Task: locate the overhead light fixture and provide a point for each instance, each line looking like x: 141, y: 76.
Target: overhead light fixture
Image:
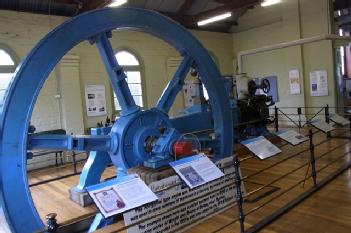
x: 214, y: 19
x: 266, y: 3
x: 116, y: 3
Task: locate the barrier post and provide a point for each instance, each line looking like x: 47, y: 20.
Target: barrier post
x: 312, y: 158
x: 239, y: 195
x: 327, y: 117
x: 299, y: 113
x: 276, y: 124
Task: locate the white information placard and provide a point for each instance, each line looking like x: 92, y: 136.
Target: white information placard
x: 339, y: 119
x: 95, y: 100
x: 322, y: 125
x: 294, y: 81
x: 292, y: 137
x: 261, y: 147
x: 319, y: 83
x: 178, y: 207
x: 117, y: 196
x: 196, y: 170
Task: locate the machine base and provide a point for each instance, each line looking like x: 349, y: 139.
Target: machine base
x: 157, y: 162
x: 80, y: 197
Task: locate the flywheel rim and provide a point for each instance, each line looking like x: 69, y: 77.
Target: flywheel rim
x: 32, y: 72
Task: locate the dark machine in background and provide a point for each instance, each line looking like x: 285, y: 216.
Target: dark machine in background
x: 254, y: 109
x: 249, y: 102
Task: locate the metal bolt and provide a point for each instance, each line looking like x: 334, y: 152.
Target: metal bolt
x: 51, y: 222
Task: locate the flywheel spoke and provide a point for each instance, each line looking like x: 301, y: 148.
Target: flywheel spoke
x: 69, y: 143
x: 116, y: 74
x: 174, y: 85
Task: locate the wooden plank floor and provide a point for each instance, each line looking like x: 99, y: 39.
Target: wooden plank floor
x: 316, y: 214
x: 53, y: 196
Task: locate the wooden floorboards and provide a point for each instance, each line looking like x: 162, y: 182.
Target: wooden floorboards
x: 53, y: 196
x: 328, y: 210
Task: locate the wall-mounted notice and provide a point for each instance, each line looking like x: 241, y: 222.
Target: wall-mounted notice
x: 178, y: 207
x: 319, y: 83
x: 261, y: 147
x: 196, y: 170
x: 292, y: 137
x: 117, y: 196
x: 322, y: 125
x: 294, y: 81
x: 95, y: 100
x: 339, y: 119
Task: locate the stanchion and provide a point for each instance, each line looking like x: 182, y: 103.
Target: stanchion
x: 327, y: 117
x: 276, y: 124
x: 239, y: 196
x: 312, y: 158
x: 299, y: 113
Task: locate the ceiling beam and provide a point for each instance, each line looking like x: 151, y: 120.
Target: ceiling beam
x: 343, y: 19
x: 191, y: 21
x: 234, y: 5
x: 186, y: 20
x: 341, y: 4
x: 94, y: 4
x: 185, y: 6
x: 68, y: 2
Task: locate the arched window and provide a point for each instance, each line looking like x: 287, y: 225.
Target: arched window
x: 7, y: 68
x: 132, y: 68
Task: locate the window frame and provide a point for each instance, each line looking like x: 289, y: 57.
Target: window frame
x: 126, y: 68
x: 14, y: 57
x: 8, y: 69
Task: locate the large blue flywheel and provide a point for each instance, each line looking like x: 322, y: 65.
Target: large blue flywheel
x: 125, y: 141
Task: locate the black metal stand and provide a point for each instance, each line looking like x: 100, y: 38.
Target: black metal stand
x: 327, y: 118
x: 312, y: 158
x: 276, y: 124
x: 239, y: 196
x: 75, y: 171
x: 299, y: 113
x: 51, y: 223
x: 74, y: 162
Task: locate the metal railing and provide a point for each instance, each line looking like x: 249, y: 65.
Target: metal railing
x: 311, y: 172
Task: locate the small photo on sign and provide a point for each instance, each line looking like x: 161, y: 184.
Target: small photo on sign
x: 119, y: 195
x: 314, y: 87
x: 191, y: 175
x: 91, y: 96
x: 196, y: 170
x: 109, y: 200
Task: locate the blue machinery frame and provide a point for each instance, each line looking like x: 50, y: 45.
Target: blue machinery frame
x: 123, y: 139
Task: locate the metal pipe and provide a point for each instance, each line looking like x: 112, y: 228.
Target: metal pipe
x: 287, y: 45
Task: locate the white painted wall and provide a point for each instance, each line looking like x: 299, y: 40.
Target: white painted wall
x: 295, y: 19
